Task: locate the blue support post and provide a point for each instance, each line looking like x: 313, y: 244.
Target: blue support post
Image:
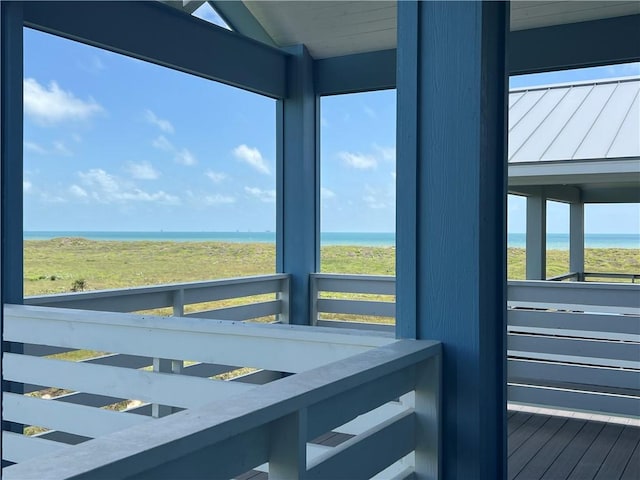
x: 10, y: 172
x: 451, y: 224
x: 297, y: 183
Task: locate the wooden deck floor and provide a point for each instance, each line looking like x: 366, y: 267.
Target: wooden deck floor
x: 544, y: 447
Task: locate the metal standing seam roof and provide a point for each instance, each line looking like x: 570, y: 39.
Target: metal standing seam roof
x: 580, y: 121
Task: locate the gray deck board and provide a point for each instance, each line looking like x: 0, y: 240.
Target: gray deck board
x: 524, y: 432
x: 632, y: 471
x: 616, y: 462
x: 516, y: 421
x: 564, y: 464
x: 538, y: 464
x: 596, y: 454
x: 532, y: 446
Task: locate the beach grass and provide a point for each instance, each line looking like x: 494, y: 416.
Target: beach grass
x: 63, y: 264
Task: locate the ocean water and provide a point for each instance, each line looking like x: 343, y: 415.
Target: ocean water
x: 555, y: 241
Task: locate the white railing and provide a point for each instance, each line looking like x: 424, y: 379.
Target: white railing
x: 570, y: 345
x: 330, y: 311
x: 340, y: 381
x: 179, y: 295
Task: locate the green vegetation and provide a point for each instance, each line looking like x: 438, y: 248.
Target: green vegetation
x: 75, y: 264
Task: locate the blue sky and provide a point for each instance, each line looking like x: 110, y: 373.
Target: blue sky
x: 113, y: 143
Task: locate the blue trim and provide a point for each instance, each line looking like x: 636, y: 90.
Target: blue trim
x: 141, y: 30
x: 298, y: 191
x: 11, y: 77
x: 459, y: 227
x: 574, y: 45
x: 241, y: 20
x: 355, y: 73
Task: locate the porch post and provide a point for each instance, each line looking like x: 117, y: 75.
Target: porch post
x: 451, y: 217
x: 536, y: 242
x: 297, y: 180
x: 576, y: 239
x: 10, y: 171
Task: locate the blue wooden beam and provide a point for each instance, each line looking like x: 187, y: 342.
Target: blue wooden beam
x: 575, y: 45
x: 584, y: 44
x: 451, y: 204
x: 11, y: 78
x: 241, y: 20
x: 355, y: 73
x: 298, y: 214
x: 163, y: 35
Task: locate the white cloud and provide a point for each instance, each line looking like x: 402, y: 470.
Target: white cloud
x: 386, y: 153
x: 218, y: 199
x: 162, y: 124
x: 161, y: 143
x: 374, y: 202
x: 371, y: 113
x: 358, y: 160
x: 252, y: 157
x: 326, y: 194
x: 61, y: 149
x: 58, y: 148
x: 215, y: 177
x: 77, y: 191
x: 267, y: 196
x: 142, y: 171
x: 52, y: 105
x: 34, y: 148
x: 48, y: 198
x: 107, y: 188
x: 27, y: 186
x: 185, y: 157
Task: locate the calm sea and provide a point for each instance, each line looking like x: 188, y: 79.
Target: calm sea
x: 555, y: 241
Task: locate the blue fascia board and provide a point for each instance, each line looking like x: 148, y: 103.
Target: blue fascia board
x: 585, y: 44
x: 161, y: 34
x: 355, y: 73
x: 575, y: 45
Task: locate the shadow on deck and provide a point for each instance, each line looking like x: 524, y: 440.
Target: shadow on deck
x: 553, y: 448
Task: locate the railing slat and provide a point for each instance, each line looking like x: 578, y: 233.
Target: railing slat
x: 596, y: 349
x: 18, y: 448
x: 575, y: 321
x: 521, y: 371
x: 357, y: 307
x: 164, y: 388
x: 371, y: 284
x: 200, y: 340
x: 241, y: 312
x: 67, y: 417
x: 391, y: 440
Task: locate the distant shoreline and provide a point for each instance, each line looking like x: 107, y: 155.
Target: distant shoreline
x: 555, y: 241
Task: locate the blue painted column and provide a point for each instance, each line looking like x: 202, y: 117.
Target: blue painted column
x: 297, y: 184
x: 10, y: 170
x: 451, y: 216
x: 536, y: 242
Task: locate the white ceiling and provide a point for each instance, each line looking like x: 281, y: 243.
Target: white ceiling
x: 335, y: 28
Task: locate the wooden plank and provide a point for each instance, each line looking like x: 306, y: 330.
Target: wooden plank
x: 533, y: 445
x: 207, y: 341
x: 549, y: 357
x: 357, y: 307
x: 516, y: 421
x: 539, y: 462
x: 616, y: 462
x: 241, y: 312
x: 376, y: 327
x: 591, y: 461
x: 163, y: 388
x: 79, y: 419
x: 522, y: 434
x: 352, y: 459
x: 632, y: 471
x: 571, y: 376
x: 373, y: 284
x: 617, y: 297
x: 18, y: 448
x: 596, y: 349
x: 573, y: 452
x: 594, y: 402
